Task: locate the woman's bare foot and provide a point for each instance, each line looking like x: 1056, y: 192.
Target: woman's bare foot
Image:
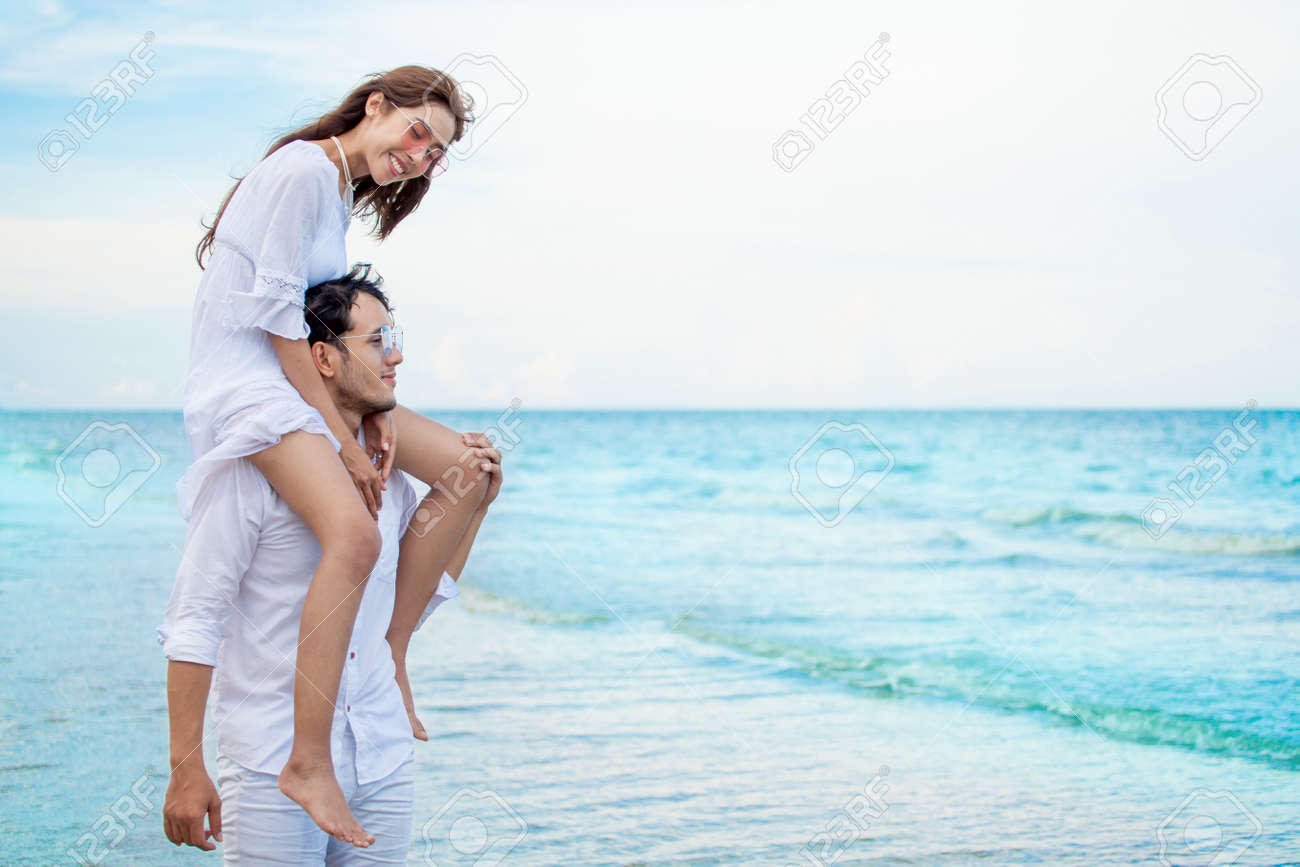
x: 315, y: 789
x: 404, y: 685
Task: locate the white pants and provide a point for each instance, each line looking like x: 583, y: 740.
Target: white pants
x: 262, y: 826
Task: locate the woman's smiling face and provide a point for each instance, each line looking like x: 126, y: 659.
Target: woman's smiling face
x: 388, y: 158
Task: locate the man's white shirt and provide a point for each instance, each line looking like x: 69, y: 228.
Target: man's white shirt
x: 237, y: 603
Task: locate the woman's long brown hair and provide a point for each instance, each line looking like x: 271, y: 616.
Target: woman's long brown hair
x: 407, y: 86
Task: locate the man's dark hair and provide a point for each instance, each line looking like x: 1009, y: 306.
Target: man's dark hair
x: 329, y: 304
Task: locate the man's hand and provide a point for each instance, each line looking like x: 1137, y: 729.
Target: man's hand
x: 364, y: 476
x: 190, y: 797
x: 381, y: 440
x: 489, y: 461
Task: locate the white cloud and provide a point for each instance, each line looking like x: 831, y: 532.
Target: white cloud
x: 546, y: 380
x: 448, y: 363
x: 127, y: 389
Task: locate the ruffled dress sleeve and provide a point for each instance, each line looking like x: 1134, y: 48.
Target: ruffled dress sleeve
x: 278, y: 226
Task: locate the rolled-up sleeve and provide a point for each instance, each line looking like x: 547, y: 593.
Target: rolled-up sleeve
x: 447, y: 589
x: 219, y: 546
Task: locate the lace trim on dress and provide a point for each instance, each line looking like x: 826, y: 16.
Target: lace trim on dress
x: 275, y: 304
x: 286, y: 287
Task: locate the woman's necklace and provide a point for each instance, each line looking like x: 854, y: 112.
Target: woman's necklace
x: 347, y: 173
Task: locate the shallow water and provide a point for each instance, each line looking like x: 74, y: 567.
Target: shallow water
x: 664, y: 654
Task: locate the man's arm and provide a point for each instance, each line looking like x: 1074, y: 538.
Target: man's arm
x: 191, y: 796
x: 223, y: 534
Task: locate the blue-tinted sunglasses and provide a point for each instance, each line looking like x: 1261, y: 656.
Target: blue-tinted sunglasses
x: 390, y: 336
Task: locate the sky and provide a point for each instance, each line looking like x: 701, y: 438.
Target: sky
x: 999, y: 217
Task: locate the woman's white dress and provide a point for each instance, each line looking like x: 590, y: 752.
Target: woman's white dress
x: 283, y: 231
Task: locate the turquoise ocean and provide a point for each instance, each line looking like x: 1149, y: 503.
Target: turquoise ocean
x: 751, y: 637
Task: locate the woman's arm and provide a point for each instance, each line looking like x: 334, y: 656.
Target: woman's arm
x: 300, y: 370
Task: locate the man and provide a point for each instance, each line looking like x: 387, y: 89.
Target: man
x: 236, y: 607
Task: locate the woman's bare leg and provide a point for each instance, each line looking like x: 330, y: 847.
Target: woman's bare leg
x: 305, y: 470
x: 434, y: 454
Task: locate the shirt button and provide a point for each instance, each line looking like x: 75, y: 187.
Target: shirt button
x: 353, y: 655
x: 349, y: 707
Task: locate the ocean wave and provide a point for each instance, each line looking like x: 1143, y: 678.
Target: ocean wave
x: 958, y: 676
x: 1015, y: 560
x: 965, y: 678
x: 1018, y: 559
x: 1126, y: 531
x: 484, y: 602
x: 1269, y: 475
x: 909, y: 468
x: 948, y: 539
x: 1178, y: 541
x: 1051, y: 515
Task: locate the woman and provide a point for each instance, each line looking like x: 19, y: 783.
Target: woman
x: 253, y: 392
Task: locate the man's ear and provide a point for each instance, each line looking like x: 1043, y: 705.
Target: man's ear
x: 325, y: 357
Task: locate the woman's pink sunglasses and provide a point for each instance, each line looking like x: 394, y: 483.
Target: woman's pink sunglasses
x: 419, y: 142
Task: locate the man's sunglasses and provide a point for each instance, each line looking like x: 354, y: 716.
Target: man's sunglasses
x: 390, y: 337
x: 418, y: 141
